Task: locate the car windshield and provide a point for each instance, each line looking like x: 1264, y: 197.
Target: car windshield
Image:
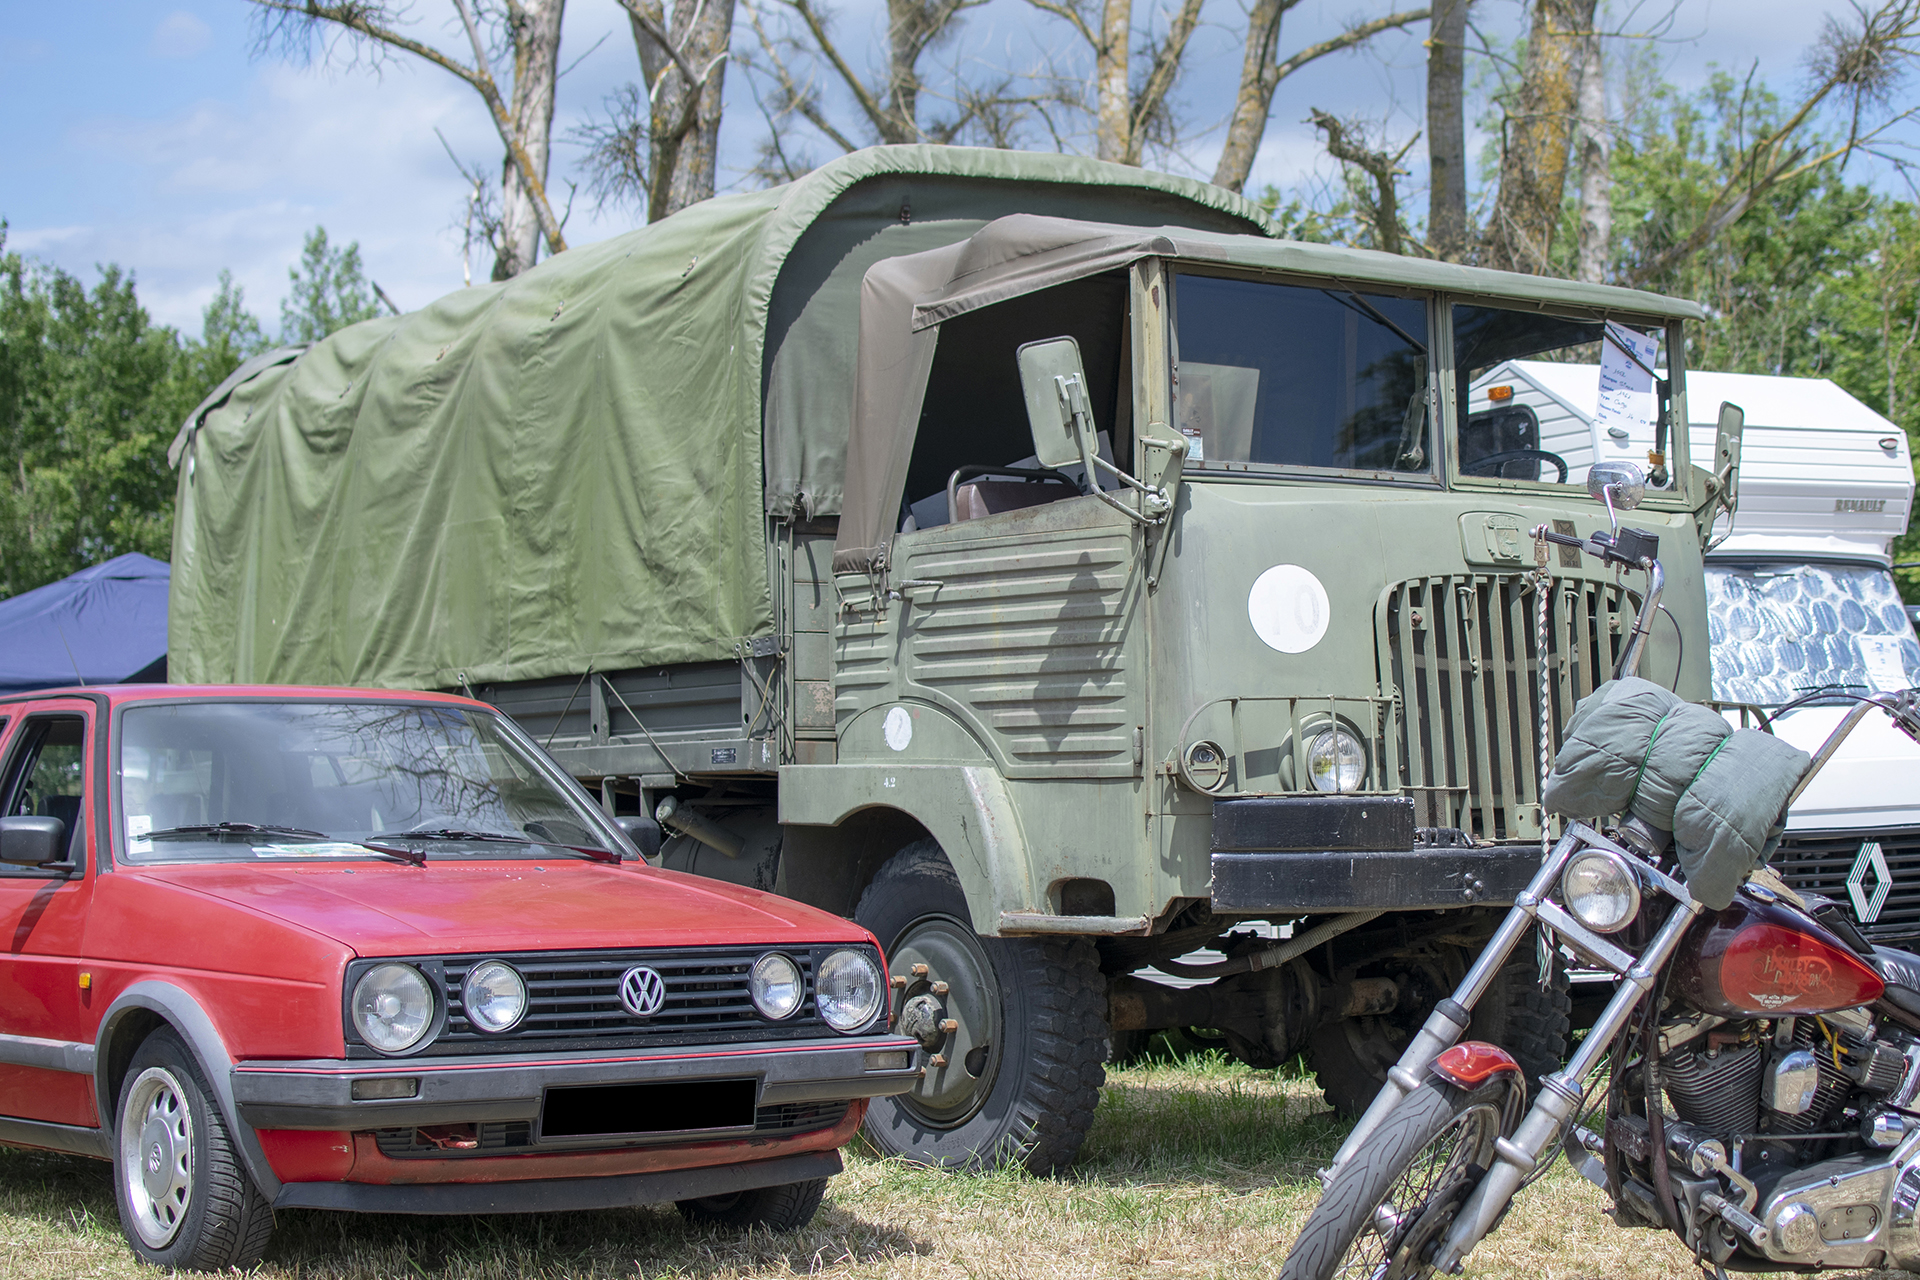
x: 303, y: 781
x: 1784, y: 631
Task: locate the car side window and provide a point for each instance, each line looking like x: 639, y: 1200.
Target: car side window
x: 48, y: 776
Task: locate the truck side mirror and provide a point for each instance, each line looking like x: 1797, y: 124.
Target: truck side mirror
x: 1055, y: 384
x: 29, y: 841
x: 1726, y: 453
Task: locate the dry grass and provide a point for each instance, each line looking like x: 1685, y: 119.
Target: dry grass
x: 1196, y: 1169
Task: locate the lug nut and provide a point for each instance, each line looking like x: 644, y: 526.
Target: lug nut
x: 949, y: 1025
x: 937, y: 1060
x: 919, y: 971
x: 938, y: 988
x: 896, y: 982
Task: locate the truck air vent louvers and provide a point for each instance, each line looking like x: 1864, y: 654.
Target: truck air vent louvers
x: 1459, y: 651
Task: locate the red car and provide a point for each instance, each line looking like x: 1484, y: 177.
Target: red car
x: 340, y: 949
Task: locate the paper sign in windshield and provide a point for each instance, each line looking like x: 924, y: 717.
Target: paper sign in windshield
x: 138, y: 825
x: 1885, y: 659
x: 1626, y: 389
x: 311, y: 849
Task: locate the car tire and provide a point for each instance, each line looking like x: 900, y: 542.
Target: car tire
x: 186, y: 1201
x: 787, y: 1207
x: 1032, y: 1032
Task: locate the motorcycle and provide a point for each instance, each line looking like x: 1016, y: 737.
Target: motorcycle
x: 1753, y: 1086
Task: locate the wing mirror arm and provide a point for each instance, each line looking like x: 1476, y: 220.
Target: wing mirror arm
x: 1054, y: 383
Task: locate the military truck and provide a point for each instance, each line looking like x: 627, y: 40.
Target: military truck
x: 1033, y: 558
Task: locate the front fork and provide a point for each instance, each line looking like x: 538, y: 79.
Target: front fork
x: 1561, y: 1093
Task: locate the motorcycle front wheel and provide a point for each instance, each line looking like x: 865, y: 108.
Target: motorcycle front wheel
x: 1386, y: 1212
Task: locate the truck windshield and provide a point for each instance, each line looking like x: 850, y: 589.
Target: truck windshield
x: 1521, y: 420
x: 307, y: 781
x: 1784, y: 631
x: 1301, y: 376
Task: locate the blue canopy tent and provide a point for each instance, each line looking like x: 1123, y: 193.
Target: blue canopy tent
x: 104, y: 625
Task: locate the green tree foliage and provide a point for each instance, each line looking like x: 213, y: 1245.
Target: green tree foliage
x: 326, y: 292
x: 91, y: 392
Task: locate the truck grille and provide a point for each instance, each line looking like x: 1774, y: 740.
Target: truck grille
x: 515, y: 1137
x: 1823, y: 861
x: 573, y: 1001
x: 1457, y: 653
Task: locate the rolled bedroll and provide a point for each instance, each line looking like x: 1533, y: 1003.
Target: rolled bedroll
x: 576, y: 469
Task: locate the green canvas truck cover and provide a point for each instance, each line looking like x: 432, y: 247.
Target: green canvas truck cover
x: 572, y: 470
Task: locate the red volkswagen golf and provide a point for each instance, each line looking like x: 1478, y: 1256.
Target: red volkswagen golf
x: 337, y: 949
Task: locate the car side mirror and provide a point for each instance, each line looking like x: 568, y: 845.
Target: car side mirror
x: 643, y: 831
x: 29, y: 841
x: 1055, y: 384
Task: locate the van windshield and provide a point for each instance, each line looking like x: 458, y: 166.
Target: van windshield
x: 1784, y: 631
x: 306, y: 781
x: 1302, y: 376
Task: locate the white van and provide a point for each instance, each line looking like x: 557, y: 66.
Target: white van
x: 1803, y: 612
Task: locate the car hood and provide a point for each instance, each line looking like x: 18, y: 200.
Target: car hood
x: 447, y: 907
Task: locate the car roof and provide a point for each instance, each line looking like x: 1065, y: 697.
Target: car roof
x: 121, y: 694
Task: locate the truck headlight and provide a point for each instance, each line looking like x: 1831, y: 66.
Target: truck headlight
x: 392, y: 1007
x: 1204, y: 766
x: 1600, y: 890
x: 846, y: 990
x: 494, y: 996
x: 776, y: 986
x: 1336, y: 761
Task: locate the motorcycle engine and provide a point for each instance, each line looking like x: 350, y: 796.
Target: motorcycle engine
x: 1716, y: 1082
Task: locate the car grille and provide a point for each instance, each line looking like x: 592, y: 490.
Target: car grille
x: 515, y: 1137
x: 573, y: 1001
x: 1458, y: 655
x: 1822, y: 862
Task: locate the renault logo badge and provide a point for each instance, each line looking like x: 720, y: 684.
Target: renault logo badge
x: 1867, y: 903
x: 642, y: 991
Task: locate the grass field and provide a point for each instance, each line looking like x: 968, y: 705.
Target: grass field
x: 1200, y: 1168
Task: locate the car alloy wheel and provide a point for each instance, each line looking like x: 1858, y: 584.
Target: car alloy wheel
x: 156, y: 1156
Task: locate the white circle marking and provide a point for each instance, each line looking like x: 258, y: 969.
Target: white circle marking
x: 899, y: 728
x: 1288, y: 608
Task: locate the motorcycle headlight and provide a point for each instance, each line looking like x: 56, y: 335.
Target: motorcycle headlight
x: 847, y: 990
x: 1600, y: 890
x: 1336, y: 761
x: 776, y: 986
x: 494, y: 996
x: 392, y: 1007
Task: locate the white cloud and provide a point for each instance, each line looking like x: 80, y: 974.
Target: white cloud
x: 180, y: 35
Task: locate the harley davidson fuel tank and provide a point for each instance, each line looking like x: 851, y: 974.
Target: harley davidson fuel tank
x: 1764, y: 957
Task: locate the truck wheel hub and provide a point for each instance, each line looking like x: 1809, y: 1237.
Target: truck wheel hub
x: 952, y: 1007
x: 921, y: 1019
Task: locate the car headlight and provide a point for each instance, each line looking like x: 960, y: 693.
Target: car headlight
x: 776, y: 986
x: 494, y: 996
x: 1600, y: 890
x: 392, y: 1007
x: 1336, y: 761
x: 847, y: 990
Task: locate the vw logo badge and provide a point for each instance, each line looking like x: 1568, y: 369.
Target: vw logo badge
x: 642, y: 991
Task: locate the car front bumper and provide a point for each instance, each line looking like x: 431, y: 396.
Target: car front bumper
x: 318, y: 1094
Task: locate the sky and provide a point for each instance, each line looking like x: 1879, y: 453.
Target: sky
x: 156, y: 137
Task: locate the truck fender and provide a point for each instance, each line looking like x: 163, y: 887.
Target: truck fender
x: 181, y: 1011
x: 964, y: 807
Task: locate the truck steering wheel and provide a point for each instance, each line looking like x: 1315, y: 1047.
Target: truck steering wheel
x: 1515, y: 455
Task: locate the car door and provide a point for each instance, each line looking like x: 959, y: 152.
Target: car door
x: 48, y: 772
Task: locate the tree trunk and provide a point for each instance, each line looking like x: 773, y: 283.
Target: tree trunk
x: 1113, y: 102
x: 1538, y: 128
x: 1596, y: 169
x: 683, y: 124
x: 534, y: 28
x: 1447, y: 131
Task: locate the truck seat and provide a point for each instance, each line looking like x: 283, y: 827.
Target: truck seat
x: 987, y: 497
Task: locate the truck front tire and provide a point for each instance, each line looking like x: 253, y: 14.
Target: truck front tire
x: 1013, y: 1030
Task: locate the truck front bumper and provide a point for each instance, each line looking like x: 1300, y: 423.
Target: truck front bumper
x: 321, y: 1094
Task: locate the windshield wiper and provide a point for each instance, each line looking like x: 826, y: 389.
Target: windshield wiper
x: 415, y: 857
x: 449, y: 833
x: 222, y: 829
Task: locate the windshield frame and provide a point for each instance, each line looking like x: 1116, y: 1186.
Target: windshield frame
x: 115, y: 846
x: 1244, y: 472
x: 1679, y: 497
